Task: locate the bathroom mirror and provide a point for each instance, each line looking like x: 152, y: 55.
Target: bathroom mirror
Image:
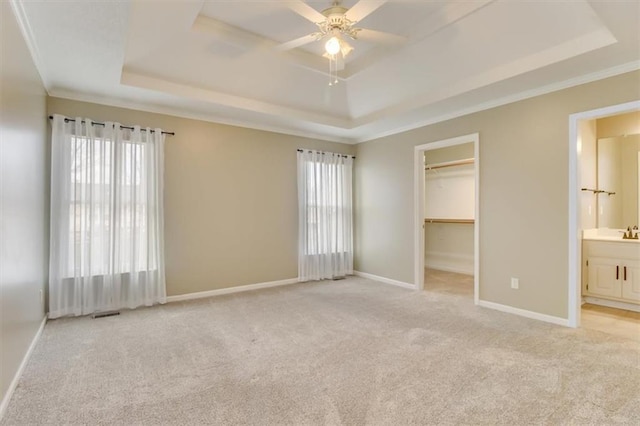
x: 618, y: 172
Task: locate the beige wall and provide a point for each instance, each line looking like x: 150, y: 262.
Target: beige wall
x: 618, y: 125
x: 523, y: 194
x: 450, y: 153
x: 230, y: 198
x: 24, y: 188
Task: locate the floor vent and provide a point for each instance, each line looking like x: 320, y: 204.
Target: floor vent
x: 105, y: 314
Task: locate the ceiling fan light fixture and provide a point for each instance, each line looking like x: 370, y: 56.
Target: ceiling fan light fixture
x: 345, y: 48
x: 335, y: 24
x: 333, y: 46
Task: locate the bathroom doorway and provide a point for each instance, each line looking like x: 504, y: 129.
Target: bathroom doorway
x: 603, y: 272
x: 446, y: 184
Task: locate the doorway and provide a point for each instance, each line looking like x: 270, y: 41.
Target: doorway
x: 577, y: 217
x: 420, y: 206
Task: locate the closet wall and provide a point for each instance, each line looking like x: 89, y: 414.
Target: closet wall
x: 449, y: 246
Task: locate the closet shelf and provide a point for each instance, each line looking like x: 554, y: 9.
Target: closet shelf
x: 449, y: 164
x: 434, y: 220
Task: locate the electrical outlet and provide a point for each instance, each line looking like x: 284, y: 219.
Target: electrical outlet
x: 515, y: 283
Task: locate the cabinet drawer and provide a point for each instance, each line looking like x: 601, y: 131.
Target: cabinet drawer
x: 613, y: 249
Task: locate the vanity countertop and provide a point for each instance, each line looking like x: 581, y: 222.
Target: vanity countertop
x: 606, y: 234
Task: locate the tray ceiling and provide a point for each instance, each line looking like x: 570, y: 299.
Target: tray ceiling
x: 216, y: 60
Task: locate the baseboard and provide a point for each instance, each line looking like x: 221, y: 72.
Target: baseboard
x: 385, y: 280
x: 16, y: 378
x: 524, y: 313
x: 230, y: 290
x: 611, y: 303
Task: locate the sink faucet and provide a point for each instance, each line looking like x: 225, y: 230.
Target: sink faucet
x: 630, y: 234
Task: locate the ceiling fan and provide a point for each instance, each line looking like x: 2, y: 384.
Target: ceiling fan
x: 337, y: 22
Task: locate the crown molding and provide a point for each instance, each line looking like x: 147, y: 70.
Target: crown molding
x: 17, y: 7
x: 201, y: 116
x: 520, y: 66
x: 134, y: 79
x: 527, y: 94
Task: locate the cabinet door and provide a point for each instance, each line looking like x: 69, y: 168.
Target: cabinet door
x: 605, y: 277
x: 631, y: 286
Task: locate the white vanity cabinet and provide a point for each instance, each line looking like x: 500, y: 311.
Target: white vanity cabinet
x: 631, y: 285
x: 611, y: 270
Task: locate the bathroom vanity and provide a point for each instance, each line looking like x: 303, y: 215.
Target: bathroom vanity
x: 610, y: 269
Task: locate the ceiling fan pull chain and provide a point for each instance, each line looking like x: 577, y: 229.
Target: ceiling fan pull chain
x: 333, y: 69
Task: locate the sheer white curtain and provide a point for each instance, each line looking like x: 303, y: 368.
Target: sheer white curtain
x: 325, y: 230
x: 107, y: 238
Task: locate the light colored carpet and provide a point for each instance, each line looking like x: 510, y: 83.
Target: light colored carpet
x: 346, y: 352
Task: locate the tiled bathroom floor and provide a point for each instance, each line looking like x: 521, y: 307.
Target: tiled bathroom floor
x: 618, y: 322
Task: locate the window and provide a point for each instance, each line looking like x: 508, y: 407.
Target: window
x: 325, y: 215
x: 107, y: 203
x: 106, y: 217
x: 325, y: 207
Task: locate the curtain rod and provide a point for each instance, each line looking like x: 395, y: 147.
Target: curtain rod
x: 320, y: 152
x: 66, y: 120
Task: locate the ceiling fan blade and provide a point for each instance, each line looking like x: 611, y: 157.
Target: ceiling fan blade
x: 379, y: 37
x: 296, y: 43
x: 363, y: 8
x: 306, y: 11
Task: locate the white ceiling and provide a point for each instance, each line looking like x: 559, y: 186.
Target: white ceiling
x: 215, y: 60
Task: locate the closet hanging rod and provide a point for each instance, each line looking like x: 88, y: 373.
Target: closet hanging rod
x: 449, y: 164
x: 67, y: 120
x: 433, y: 220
